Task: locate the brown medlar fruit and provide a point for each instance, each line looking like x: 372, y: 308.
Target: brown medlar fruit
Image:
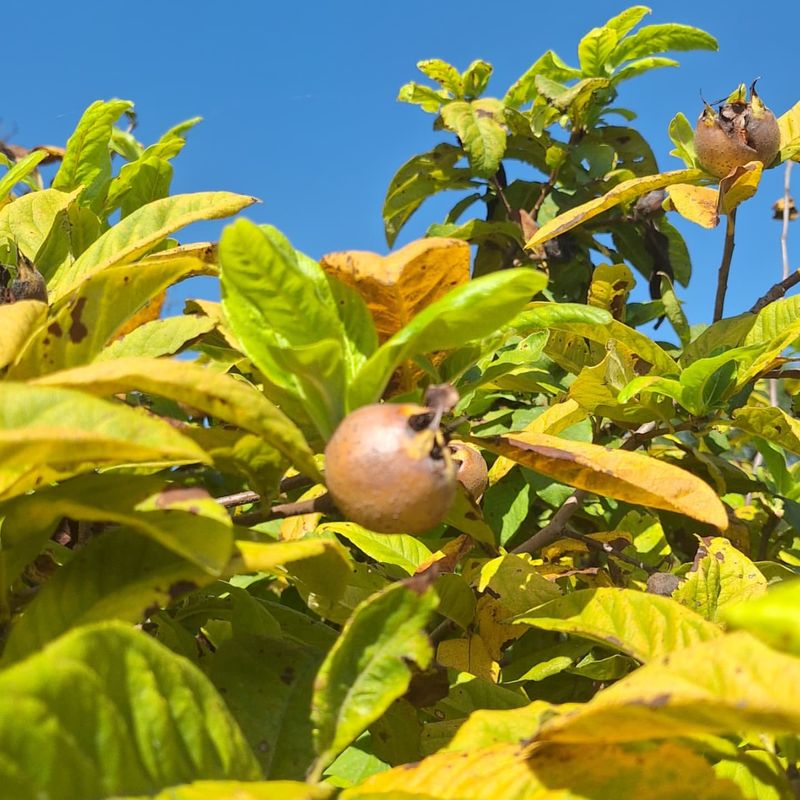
x: 388, y: 468
x: 739, y: 132
x: 472, y: 470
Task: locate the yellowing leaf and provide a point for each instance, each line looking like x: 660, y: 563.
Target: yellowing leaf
x: 468, y: 655
x: 553, y: 420
x: 730, y: 684
x: 631, y: 477
x: 18, y: 321
x: 771, y: 423
x: 398, y: 286
x: 739, y: 186
x: 696, y: 203
x: 221, y: 396
x: 721, y: 575
x: 642, y: 625
x: 610, y: 287
x: 241, y: 790
x: 130, y: 239
x: 622, y: 193
x: 588, y: 772
x: 789, y: 125
x: 48, y: 433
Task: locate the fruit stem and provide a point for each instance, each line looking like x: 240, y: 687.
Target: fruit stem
x: 725, y: 265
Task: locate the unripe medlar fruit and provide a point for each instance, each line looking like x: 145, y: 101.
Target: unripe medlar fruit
x: 472, y: 470
x: 738, y: 133
x: 388, y: 468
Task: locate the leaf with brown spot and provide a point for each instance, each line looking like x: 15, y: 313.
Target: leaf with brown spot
x: 622, y: 193
x: 696, y: 203
x: 631, y: 477
x: 740, y: 185
x: 398, y: 286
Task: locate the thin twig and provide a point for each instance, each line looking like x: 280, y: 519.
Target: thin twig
x: 725, y: 265
x: 606, y: 548
x: 315, y: 505
x: 787, y: 202
x: 776, y: 292
x: 782, y: 373
x: 245, y: 498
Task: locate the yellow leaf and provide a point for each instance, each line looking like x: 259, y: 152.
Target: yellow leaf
x: 789, y: 125
x: 468, y: 655
x: 610, y: 287
x: 622, y: 193
x: 731, y: 684
x: 631, y: 477
x: 739, y: 186
x: 588, y: 772
x: 18, y: 321
x: 553, y: 420
x: 398, y: 286
x: 696, y: 203
x: 298, y: 527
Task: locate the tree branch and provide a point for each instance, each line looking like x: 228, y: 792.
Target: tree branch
x: 725, y: 266
x: 776, y: 292
x: 245, y: 498
x: 315, y: 505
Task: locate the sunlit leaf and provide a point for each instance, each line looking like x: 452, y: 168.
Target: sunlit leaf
x: 627, y: 476
x: 366, y: 670
x: 662, y: 38
x: 696, y: 203
x: 105, y: 689
x: 478, y: 125
x: 641, y: 625
x: 18, y: 321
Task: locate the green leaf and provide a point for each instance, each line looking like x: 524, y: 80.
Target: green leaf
x: 479, y: 126
x: 622, y: 193
x: 105, y: 710
x: 478, y: 231
x: 653, y: 39
x: 87, y: 159
x: 187, y: 522
x: 594, y: 51
x: 138, y: 233
x: 730, y: 684
x: 360, y: 336
x: 419, y: 178
x: 523, y: 90
x: 644, y: 626
x: 19, y: 171
x: 770, y: 423
x: 541, y: 316
x: 682, y: 134
x: 406, y: 552
x: 774, y: 320
x: 628, y: 19
x: 282, y: 310
x: 267, y: 685
x: 721, y: 575
x: 642, y: 65
x: 428, y: 99
x: 468, y: 312
x: 758, y: 774
x: 722, y: 335
x: 476, y: 78
x: 78, y: 330
x: 218, y: 395
x: 366, y: 671
x: 49, y: 433
x: 772, y: 617
x: 120, y: 575
x: 159, y: 337
x: 30, y: 218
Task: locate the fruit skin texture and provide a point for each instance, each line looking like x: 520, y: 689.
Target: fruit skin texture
x: 472, y: 470
x: 739, y: 133
x: 385, y: 475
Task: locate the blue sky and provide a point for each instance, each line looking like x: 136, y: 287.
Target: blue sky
x: 299, y: 102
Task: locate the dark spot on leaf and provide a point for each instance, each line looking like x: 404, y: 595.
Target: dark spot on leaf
x: 719, y: 556
x: 78, y: 331
x: 54, y: 328
x: 150, y: 610
x: 46, y: 341
x: 287, y: 676
x: 180, y: 588
x: 472, y: 515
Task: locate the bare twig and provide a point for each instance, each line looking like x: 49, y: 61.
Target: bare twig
x: 787, y: 202
x: 782, y: 373
x: 776, y: 292
x: 725, y: 265
x: 608, y: 549
x: 315, y: 505
x: 245, y: 498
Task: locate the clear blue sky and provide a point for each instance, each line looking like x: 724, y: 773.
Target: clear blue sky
x: 300, y: 110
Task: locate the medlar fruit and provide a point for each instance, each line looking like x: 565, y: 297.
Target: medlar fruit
x: 388, y: 468
x: 739, y: 132
x: 472, y: 470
